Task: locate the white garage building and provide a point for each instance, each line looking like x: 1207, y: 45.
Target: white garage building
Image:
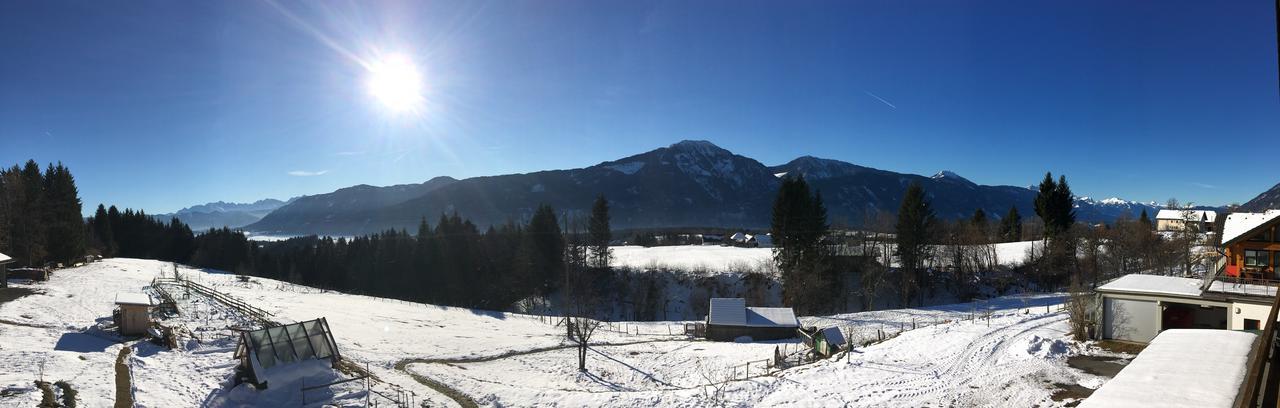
x: 1138, y: 307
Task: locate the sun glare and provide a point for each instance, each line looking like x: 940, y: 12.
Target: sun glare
x: 396, y: 83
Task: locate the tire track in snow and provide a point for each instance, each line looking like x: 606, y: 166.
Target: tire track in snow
x: 948, y: 377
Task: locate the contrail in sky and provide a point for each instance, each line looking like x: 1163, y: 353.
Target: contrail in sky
x: 880, y: 99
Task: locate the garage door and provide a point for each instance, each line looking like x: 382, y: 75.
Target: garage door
x: 1132, y: 320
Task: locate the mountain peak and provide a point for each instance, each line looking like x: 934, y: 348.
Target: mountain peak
x: 699, y: 146
x: 950, y: 175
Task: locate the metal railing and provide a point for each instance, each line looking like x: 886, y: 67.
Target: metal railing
x: 1261, y: 380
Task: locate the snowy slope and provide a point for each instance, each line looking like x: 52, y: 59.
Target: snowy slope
x: 519, y: 360
x: 962, y: 363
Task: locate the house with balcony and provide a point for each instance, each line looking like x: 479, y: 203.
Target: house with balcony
x: 1237, y: 296
x: 1251, y: 246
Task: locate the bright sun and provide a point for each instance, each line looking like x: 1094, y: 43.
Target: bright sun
x: 395, y: 82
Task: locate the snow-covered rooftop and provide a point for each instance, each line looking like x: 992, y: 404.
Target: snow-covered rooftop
x: 1154, y: 284
x: 1189, y: 215
x: 734, y: 312
x: 5, y: 259
x: 771, y: 316
x: 1181, y: 368
x: 728, y: 311
x: 133, y: 299
x: 1239, y: 224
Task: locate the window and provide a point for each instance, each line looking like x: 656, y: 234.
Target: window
x: 1256, y: 259
x: 1251, y: 324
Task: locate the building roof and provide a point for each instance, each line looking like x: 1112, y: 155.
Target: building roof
x: 833, y: 335
x: 1189, y: 215
x: 4, y: 259
x: 728, y: 312
x: 133, y: 299
x: 1241, y: 225
x: 1153, y: 284
x: 734, y: 312
x: 771, y: 317
x: 1181, y: 368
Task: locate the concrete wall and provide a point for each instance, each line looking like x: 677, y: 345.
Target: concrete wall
x: 1247, y: 311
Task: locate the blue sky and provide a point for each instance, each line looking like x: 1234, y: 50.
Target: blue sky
x: 161, y: 105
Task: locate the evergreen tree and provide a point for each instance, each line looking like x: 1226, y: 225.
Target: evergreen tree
x: 545, y: 248
x: 598, y: 234
x: 1011, y: 225
x: 799, y: 225
x: 980, y: 222
x: 28, y: 235
x: 100, y: 226
x: 64, y: 227
x: 914, y: 231
x: 1145, y: 219
x: 1055, y: 206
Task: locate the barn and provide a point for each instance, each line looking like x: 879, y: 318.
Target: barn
x: 730, y: 319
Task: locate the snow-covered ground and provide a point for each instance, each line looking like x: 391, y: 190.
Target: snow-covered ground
x: 714, y: 258
x: 519, y: 360
x: 1009, y: 360
x: 711, y: 258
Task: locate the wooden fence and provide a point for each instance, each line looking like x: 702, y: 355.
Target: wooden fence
x: 244, y: 308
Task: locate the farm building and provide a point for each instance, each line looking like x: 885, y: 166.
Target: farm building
x: 279, y: 354
x: 1179, y: 220
x: 133, y: 313
x: 4, y: 275
x: 730, y: 319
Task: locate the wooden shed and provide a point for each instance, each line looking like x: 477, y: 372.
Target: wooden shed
x: 730, y: 319
x: 133, y: 313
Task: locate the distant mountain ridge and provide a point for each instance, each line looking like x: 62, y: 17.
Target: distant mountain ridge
x: 687, y: 184
x: 1268, y: 200
x: 223, y: 214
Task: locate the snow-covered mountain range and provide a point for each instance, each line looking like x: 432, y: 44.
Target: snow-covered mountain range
x: 223, y: 214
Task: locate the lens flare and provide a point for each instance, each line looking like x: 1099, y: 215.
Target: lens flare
x: 396, y: 82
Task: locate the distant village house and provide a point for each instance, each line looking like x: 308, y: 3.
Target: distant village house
x: 1181, y: 220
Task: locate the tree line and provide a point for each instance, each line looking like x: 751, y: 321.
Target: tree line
x: 40, y: 215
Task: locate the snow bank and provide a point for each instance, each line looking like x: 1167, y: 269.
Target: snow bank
x: 1181, y: 368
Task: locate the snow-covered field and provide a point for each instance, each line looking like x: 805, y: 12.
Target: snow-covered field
x: 714, y: 258
x: 504, y: 359
x: 1010, y: 360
